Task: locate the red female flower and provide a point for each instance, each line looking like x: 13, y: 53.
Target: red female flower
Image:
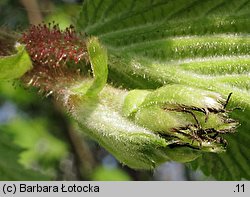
x: 57, y: 56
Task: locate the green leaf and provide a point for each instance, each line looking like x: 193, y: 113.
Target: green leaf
x: 202, y: 44
x: 14, y: 66
x: 99, y: 64
x: 98, y: 58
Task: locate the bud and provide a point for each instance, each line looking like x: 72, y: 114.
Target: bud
x: 191, y: 117
x: 141, y: 128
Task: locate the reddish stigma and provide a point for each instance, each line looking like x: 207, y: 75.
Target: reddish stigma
x: 57, y: 56
x: 51, y: 46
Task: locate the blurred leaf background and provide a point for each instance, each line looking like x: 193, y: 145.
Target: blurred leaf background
x: 38, y: 140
